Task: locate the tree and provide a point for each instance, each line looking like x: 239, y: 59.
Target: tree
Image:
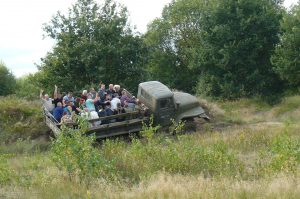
x: 286, y: 59
x: 224, y: 46
x: 173, y: 42
x: 94, y: 43
x: 7, y: 81
x: 238, y: 39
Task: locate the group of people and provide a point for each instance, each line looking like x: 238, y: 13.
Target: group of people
x: 91, y: 104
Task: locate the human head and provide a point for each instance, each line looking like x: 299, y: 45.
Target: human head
x: 89, y: 96
x: 111, y: 86
x: 117, y: 88
x: 58, y: 95
x: 124, y: 93
x: 59, y: 104
x: 84, y: 92
x: 70, y: 94
x: 46, y: 96
x: 103, y: 86
x: 92, y: 90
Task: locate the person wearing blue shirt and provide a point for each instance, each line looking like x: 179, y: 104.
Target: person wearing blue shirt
x: 58, y: 112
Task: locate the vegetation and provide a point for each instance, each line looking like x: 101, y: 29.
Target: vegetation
x: 7, y: 80
x: 20, y: 119
x: 94, y: 42
x: 255, y: 157
x: 221, y: 49
x: 219, y: 45
x: 287, y: 54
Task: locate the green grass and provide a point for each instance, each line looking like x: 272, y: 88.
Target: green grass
x: 258, y: 157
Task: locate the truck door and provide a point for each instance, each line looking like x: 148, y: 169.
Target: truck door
x: 166, y: 110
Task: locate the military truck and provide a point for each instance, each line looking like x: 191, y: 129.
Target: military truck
x: 154, y: 98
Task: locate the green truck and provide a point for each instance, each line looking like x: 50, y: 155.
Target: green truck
x: 154, y: 99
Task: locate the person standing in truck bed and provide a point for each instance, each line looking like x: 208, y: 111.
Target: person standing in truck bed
x: 47, y: 101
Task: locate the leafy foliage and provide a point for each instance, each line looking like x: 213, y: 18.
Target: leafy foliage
x: 94, y: 43
x: 224, y: 46
x: 74, y: 152
x: 7, y: 80
x: 286, y: 59
x: 20, y: 118
x: 28, y: 87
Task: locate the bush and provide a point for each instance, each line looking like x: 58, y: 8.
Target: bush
x: 20, y: 119
x: 74, y: 152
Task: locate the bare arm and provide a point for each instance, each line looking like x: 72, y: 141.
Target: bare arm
x: 41, y: 94
x: 55, y: 92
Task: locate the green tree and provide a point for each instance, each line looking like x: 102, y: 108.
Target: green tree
x: 238, y: 39
x: 286, y: 59
x: 29, y: 86
x: 7, y: 80
x: 94, y: 43
x: 225, y: 46
x: 173, y: 41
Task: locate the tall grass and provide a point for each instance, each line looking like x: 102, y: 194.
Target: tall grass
x: 254, y: 158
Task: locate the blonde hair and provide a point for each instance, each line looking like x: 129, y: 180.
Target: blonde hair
x: 117, y: 87
x: 84, y: 92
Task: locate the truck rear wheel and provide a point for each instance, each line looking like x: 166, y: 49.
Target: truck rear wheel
x: 190, y: 125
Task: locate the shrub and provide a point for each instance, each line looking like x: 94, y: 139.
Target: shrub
x: 285, y: 153
x: 20, y: 119
x: 74, y: 152
x: 6, y: 174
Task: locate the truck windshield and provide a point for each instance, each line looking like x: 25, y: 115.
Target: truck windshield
x: 165, y: 103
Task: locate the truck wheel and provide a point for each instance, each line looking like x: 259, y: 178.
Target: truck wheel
x: 190, y: 125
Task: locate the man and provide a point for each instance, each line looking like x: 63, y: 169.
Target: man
x: 58, y: 112
x: 110, y: 90
x: 68, y: 97
x: 47, y: 101
x: 57, y: 97
x: 102, y: 92
x: 125, y: 97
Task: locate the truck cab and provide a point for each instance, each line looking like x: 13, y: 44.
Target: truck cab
x: 166, y: 105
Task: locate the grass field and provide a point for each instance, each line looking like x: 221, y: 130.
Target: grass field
x: 249, y: 150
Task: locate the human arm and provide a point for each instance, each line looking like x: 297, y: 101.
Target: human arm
x: 55, y: 92
x: 41, y: 94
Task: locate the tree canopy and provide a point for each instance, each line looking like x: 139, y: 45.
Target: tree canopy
x: 224, y: 46
x: 287, y: 54
x: 93, y: 43
x: 7, y: 80
x: 215, y: 48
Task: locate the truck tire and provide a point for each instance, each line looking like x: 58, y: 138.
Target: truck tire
x: 190, y: 125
